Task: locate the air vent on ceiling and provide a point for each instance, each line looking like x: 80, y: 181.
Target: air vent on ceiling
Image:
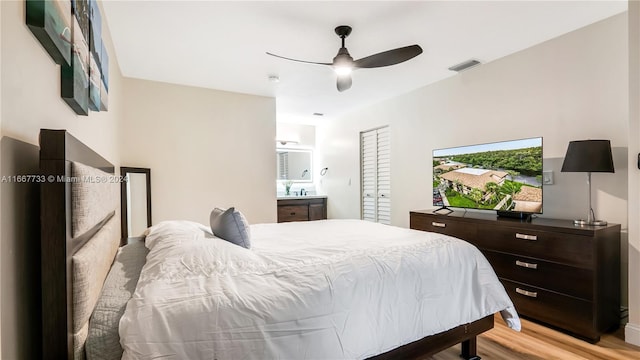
x: 464, y: 65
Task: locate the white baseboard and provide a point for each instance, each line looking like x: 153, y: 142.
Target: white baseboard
x: 632, y: 334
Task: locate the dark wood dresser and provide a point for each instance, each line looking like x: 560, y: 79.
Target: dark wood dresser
x: 555, y: 272
x: 302, y: 208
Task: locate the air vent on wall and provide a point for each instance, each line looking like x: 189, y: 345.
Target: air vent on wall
x: 464, y: 65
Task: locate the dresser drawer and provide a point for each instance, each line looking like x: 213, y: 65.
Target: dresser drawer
x: 569, y: 249
x: 288, y: 213
x: 563, y: 279
x: 563, y: 311
x: 459, y: 229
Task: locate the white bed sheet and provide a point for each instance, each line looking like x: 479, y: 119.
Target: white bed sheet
x: 330, y: 289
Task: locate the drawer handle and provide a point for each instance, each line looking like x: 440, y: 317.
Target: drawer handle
x: 532, y: 294
x: 438, y: 224
x: 527, y: 265
x: 292, y: 213
x: 526, y: 237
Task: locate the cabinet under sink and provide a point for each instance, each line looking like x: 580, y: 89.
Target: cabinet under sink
x: 302, y: 208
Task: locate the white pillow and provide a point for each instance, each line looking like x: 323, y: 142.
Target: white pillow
x: 230, y: 225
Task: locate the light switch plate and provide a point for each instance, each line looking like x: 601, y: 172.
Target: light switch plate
x: 547, y: 177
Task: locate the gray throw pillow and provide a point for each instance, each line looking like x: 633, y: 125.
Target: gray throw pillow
x: 230, y: 225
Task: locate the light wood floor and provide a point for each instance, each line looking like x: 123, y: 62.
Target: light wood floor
x: 537, y: 342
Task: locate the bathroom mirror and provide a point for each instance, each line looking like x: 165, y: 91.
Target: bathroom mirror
x: 294, y: 164
x: 135, y: 196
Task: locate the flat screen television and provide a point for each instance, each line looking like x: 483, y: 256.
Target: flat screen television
x: 503, y: 176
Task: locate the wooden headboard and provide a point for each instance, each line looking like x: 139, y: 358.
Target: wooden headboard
x: 58, y: 149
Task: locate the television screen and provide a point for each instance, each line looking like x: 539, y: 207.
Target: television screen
x: 503, y: 176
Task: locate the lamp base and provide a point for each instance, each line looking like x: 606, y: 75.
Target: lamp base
x: 582, y: 222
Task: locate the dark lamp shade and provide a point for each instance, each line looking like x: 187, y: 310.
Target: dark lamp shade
x: 588, y: 156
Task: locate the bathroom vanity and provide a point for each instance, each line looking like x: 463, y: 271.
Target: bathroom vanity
x: 302, y: 208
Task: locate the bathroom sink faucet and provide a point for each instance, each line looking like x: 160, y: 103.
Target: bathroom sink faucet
x: 303, y: 192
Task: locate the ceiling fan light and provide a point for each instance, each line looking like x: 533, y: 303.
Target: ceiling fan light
x: 343, y: 70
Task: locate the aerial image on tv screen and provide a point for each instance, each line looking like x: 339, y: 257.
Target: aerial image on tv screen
x: 502, y: 176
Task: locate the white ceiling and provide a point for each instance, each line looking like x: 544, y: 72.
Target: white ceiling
x: 222, y: 44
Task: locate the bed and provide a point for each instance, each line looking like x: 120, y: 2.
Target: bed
x: 80, y: 250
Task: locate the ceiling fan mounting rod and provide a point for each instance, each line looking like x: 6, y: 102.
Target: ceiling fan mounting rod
x: 343, y: 31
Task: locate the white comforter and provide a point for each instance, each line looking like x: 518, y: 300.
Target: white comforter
x: 329, y: 289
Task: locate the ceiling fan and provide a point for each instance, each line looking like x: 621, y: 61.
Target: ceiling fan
x: 343, y: 63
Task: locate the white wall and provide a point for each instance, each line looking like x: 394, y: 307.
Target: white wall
x: 305, y: 135
x: 632, y: 329
x: 205, y: 148
x: 570, y: 88
x: 30, y: 98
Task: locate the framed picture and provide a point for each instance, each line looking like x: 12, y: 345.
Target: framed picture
x: 95, y: 54
x: 50, y: 21
x: 75, y: 76
x: 71, y: 32
x: 104, y: 71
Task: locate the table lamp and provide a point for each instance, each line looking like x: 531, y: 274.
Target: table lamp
x: 589, y: 156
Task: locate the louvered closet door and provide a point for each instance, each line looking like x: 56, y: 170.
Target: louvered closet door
x: 375, y: 153
x: 368, y: 174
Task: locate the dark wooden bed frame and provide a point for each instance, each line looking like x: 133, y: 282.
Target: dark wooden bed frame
x: 57, y: 150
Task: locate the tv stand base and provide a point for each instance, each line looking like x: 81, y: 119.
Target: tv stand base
x: 515, y: 215
x: 439, y: 211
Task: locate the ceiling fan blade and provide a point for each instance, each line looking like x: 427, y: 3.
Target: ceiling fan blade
x: 390, y: 57
x: 302, y: 61
x: 344, y: 82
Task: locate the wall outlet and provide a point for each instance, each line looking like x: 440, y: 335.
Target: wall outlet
x: 547, y: 177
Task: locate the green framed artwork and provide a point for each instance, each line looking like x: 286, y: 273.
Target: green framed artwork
x: 74, y: 77
x: 95, y: 54
x: 50, y: 22
x: 71, y: 32
x: 104, y: 84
